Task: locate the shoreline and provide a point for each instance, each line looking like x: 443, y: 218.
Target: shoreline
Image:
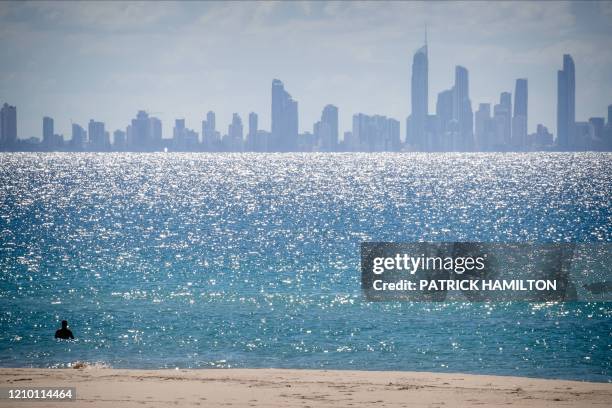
x: 237, y: 387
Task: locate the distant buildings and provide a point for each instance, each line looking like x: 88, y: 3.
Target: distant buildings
x: 120, y: 140
x: 234, y: 139
x: 184, y: 139
x: 374, y: 134
x: 454, y: 127
x: 99, y: 140
x: 607, y: 134
x: 446, y: 129
x: 416, y: 125
x: 144, y: 134
x: 211, y: 139
x: 566, y: 103
x: 79, y: 138
x: 484, y: 129
x: 325, y: 131
x: 251, y: 142
x: 462, y: 112
x: 284, y: 136
x: 502, y: 119
x: 8, y: 126
x: 47, y: 131
x: 519, y: 119
x: 51, y: 141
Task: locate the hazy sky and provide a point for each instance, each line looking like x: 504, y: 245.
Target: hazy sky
x: 81, y: 60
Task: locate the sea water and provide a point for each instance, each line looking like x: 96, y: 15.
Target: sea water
x: 252, y: 260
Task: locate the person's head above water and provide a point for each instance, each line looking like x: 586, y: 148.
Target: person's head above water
x: 64, y: 332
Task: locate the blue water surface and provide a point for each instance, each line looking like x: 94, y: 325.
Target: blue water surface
x: 252, y: 260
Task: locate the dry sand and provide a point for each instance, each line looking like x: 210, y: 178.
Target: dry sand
x: 101, y: 387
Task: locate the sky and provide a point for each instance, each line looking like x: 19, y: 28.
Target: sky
x: 76, y: 61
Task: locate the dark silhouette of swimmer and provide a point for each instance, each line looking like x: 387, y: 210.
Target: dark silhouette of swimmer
x: 64, y: 333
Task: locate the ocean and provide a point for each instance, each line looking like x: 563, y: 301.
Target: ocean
x: 168, y: 260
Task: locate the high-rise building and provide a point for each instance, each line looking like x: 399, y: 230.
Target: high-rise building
x: 79, y: 137
x: 607, y: 137
x: 8, y: 125
x: 98, y: 138
x: 504, y: 116
x: 184, y: 139
x: 210, y: 136
x: 502, y: 123
x: 156, y: 133
x: 374, y: 133
x: 444, y: 114
x: 284, y: 119
x: 566, y: 103
x: 178, y: 134
x: 138, y: 135
x: 47, y: 139
x: 252, y: 135
x: 519, y: 120
x: 119, y: 140
x: 235, y: 135
x: 145, y: 133
x: 416, y: 133
x: 484, y: 129
x: 462, y: 111
x: 326, y: 130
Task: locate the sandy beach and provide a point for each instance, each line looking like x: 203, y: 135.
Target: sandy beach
x: 101, y: 387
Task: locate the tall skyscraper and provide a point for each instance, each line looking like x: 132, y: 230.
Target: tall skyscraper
x: 8, y: 125
x: 145, y: 133
x: 284, y: 119
x: 608, y: 131
x: 326, y: 130
x: 98, y: 138
x: 139, y: 135
x: 505, y: 136
x: 235, y: 135
x: 446, y: 124
x: 178, y: 134
x: 47, y: 131
x: 502, y: 123
x: 462, y: 111
x: 184, y: 139
x: 519, y: 120
x: 79, y: 136
x: 251, y: 144
x: 210, y: 136
x: 566, y: 103
x: 156, y: 133
x: 416, y: 134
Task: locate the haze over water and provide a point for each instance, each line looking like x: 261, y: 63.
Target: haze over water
x: 249, y: 260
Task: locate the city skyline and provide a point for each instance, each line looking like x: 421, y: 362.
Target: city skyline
x: 454, y: 127
x: 105, y: 60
